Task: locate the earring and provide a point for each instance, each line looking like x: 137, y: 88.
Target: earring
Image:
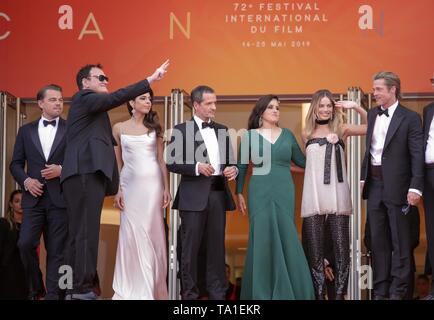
x: 260, y: 122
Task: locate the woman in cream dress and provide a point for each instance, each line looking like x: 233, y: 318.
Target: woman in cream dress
x: 141, y: 259
x: 326, y: 201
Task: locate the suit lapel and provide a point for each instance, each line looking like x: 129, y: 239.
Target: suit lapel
x: 198, y: 141
x: 427, y: 122
x: 394, y: 125
x: 197, y: 136
x: 222, y: 145
x: 58, y: 138
x: 34, y: 134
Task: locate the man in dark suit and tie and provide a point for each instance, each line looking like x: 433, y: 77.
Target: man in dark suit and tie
x: 90, y: 171
x: 428, y: 138
x: 392, y: 172
x: 41, y: 145
x: 200, y: 150
x: 414, y: 222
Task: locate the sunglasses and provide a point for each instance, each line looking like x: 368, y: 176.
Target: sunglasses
x: 101, y: 78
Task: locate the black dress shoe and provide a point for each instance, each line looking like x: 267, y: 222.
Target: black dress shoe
x: 396, y: 297
x: 378, y: 297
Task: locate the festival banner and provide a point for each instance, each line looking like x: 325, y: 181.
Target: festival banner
x: 237, y: 47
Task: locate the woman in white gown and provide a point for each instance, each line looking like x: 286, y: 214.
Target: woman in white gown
x: 141, y: 258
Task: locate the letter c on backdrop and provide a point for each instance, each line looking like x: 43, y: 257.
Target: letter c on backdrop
x: 7, y: 33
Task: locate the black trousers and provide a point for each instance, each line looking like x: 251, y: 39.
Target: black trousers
x: 316, y: 231
x: 205, y: 227
x: 390, y: 244
x: 84, y: 196
x: 428, y: 201
x: 52, y: 222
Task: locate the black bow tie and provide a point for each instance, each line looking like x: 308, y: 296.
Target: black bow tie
x: 208, y: 125
x: 52, y: 122
x: 381, y: 112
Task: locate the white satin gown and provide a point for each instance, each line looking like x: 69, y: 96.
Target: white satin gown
x: 141, y: 258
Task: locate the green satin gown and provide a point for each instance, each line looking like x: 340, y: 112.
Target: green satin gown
x: 276, y: 267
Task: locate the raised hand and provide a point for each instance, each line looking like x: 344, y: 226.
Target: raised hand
x: 159, y: 73
x: 346, y: 104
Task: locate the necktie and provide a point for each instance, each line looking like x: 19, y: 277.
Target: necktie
x: 381, y: 112
x: 208, y: 125
x: 52, y: 122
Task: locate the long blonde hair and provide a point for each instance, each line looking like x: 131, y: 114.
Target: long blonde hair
x: 338, y: 117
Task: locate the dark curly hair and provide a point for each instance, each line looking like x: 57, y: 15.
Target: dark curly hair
x: 258, y: 110
x: 151, y: 120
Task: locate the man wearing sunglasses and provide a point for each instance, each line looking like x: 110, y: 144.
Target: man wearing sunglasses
x: 428, y: 131
x: 89, y: 171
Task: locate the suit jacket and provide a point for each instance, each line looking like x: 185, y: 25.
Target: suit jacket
x: 402, y: 159
x: 193, y: 191
x: 428, y: 115
x: 28, y: 149
x: 89, y: 139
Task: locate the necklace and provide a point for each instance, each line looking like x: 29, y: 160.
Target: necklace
x: 322, y: 122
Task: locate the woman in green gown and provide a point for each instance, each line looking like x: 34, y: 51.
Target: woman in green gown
x: 275, y: 267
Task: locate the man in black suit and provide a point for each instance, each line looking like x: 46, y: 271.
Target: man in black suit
x: 90, y: 171
x: 392, y: 172
x: 414, y: 222
x: 428, y: 138
x: 41, y: 145
x: 200, y: 150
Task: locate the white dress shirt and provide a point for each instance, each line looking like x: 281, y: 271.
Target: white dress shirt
x: 429, y: 153
x: 379, y: 135
x: 379, y: 138
x: 47, y: 135
x: 212, y: 146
